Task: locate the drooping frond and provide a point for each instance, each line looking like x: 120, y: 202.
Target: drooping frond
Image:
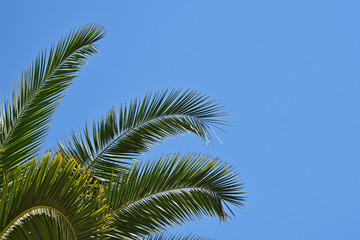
x: 26, y: 113
x: 52, y: 196
x: 169, y: 236
x: 171, y: 191
x: 114, y: 140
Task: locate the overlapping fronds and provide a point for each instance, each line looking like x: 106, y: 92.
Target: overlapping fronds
x: 114, y: 140
x: 171, y: 191
x: 52, y: 198
x: 59, y: 197
x: 26, y: 113
x: 168, y: 236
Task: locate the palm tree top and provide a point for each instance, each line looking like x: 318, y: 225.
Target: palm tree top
x: 93, y: 185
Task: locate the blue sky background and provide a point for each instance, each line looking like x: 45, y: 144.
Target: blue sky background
x: 287, y: 71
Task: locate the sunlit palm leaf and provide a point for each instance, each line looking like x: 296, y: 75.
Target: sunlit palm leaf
x: 26, y: 114
x: 114, y: 140
x: 54, y: 191
x: 57, y: 198
x: 40, y: 223
x: 171, y: 191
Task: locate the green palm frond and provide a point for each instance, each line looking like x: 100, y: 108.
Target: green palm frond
x: 171, y: 191
x: 26, y: 113
x: 52, y: 196
x: 140, y: 125
x: 168, y: 236
x: 40, y: 223
x: 59, y: 196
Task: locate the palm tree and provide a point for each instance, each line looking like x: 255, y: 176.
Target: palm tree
x: 93, y: 185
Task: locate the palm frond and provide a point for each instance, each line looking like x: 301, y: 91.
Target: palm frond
x: 116, y: 140
x: 54, y: 191
x: 26, y: 113
x: 169, y: 236
x: 171, y: 191
x: 40, y: 223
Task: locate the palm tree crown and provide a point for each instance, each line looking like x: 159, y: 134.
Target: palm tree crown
x: 93, y: 184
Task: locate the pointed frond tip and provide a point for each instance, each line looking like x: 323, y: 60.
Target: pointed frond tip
x: 25, y: 115
x: 117, y: 139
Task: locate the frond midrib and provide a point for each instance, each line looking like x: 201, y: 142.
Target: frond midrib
x: 160, y: 192
x: 34, y: 208
x: 133, y: 128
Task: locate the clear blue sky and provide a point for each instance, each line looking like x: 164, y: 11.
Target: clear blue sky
x: 287, y: 71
